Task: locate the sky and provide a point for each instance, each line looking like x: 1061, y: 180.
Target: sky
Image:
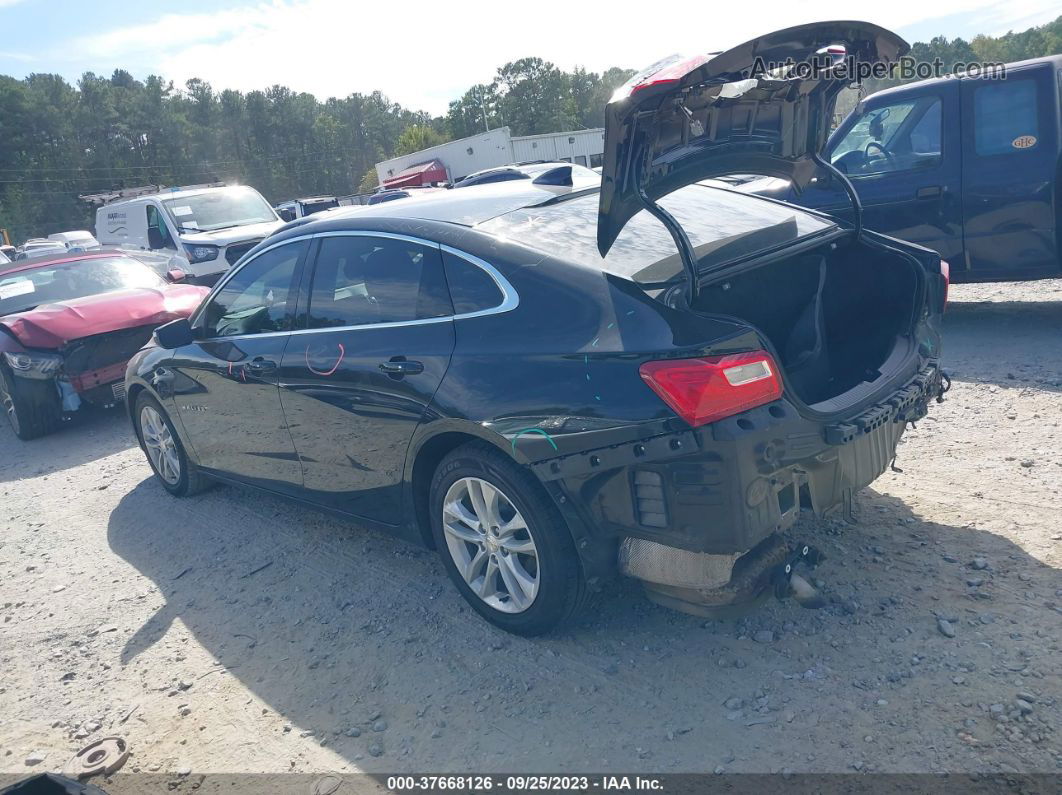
x: 425, y: 54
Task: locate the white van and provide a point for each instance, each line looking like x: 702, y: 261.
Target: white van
x: 78, y: 239
x: 205, y: 230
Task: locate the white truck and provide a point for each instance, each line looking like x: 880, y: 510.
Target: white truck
x: 204, y: 229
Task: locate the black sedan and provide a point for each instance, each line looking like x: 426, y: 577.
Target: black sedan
x: 550, y: 385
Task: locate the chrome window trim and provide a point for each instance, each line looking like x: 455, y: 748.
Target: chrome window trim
x: 510, y: 298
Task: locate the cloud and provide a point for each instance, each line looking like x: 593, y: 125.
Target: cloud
x: 424, y: 54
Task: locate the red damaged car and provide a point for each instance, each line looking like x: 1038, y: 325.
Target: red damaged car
x: 69, y: 325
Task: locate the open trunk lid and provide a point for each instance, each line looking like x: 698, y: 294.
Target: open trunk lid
x: 762, y: 107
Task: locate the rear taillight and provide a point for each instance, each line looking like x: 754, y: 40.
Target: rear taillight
x: 710, y: 388
x: 945, y: 272
x: 669, y: 70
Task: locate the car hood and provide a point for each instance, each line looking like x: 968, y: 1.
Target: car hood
x: 222, y: 237
x: 686, y: 121
x: 54, y: 325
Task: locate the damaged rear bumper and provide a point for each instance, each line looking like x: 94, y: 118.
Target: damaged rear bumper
x: 727, y: 490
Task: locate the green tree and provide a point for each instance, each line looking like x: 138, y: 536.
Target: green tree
x: 369, y: 182
x: 417, y: 137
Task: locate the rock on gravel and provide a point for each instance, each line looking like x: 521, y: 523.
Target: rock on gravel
x: 946, y: 628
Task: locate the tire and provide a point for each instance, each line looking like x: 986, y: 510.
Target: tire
x: 524, y: 588
x: 31, y: 406
x: 155, y: 432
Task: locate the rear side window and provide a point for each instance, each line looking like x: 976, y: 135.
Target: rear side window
x: 1005, y: 118
x: 361, y: 280
x: 471, y: 288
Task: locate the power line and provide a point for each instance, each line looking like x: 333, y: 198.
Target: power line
x: 203, y: 163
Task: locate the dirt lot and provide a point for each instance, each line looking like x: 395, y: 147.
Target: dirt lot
x: 238, y: 633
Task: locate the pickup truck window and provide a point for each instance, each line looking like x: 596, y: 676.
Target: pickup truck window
x: 898, y: 137
x: 1005, y: 118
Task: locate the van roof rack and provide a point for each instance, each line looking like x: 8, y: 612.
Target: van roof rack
x: 121, y: 194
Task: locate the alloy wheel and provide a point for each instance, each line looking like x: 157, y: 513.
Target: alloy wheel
x: 160, y: 444
x: 491, y: 545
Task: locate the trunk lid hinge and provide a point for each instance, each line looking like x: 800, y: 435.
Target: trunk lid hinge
x: 671, y: 224
x: 857, y: 205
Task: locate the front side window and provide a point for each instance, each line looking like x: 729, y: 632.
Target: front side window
x: 257, y: 299
x: 361, y: 280
x: 1005, y: 118
x: 898, y: 137
x: 156, y: 222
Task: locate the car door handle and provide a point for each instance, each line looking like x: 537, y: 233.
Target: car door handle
x: 401, y: 367
x: 260, y: 365
x: 929, y: 192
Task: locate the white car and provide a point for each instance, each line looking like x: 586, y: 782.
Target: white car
x: 76, y: 240
x: 39, y: 246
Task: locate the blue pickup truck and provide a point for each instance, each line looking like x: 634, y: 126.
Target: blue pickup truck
x: 967, y: 166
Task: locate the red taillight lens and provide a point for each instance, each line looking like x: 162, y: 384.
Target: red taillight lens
x: 670, y: 70
x: 945, y: 271
x: 710, y: 388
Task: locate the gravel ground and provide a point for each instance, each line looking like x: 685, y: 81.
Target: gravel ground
x: 239, y: 633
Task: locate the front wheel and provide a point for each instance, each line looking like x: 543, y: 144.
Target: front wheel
x: 165, y: 453
x: 503, y: 542
x: 31, y: 406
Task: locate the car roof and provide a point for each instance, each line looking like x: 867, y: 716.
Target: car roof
x: 166, y: 195
x: 463, y: 207
x: 40, y: 262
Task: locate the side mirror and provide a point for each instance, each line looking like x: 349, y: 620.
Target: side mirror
x: 286, y: 214
x: 175, y: 334
x: 176, y: 275
x: 155, y: 240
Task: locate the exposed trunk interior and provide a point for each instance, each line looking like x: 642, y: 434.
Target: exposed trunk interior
x: 838, y: 318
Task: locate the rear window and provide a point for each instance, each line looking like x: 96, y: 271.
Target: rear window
x: 722, y: 225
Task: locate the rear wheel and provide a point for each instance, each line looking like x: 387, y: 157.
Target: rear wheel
x: 165, y: 453
x: 31, y: 406
x: 503, y: 542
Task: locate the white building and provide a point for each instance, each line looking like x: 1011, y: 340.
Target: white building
x: 489, y: 149
x: 584, y: 147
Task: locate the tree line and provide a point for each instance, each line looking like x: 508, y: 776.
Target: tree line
x: 59, y: 140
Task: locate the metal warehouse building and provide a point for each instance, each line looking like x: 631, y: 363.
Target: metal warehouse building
x: 457, y: 159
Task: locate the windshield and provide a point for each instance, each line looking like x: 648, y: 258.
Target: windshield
x: 22, y: 290
x: 721, y: 224
x: 220, y: 209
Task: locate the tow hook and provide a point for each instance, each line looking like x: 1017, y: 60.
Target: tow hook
x: 786, y: 582
x: 945, y: 386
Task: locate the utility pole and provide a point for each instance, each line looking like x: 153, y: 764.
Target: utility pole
x: 482, y: 108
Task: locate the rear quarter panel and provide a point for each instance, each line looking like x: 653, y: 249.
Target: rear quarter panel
x: 559, y: 373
